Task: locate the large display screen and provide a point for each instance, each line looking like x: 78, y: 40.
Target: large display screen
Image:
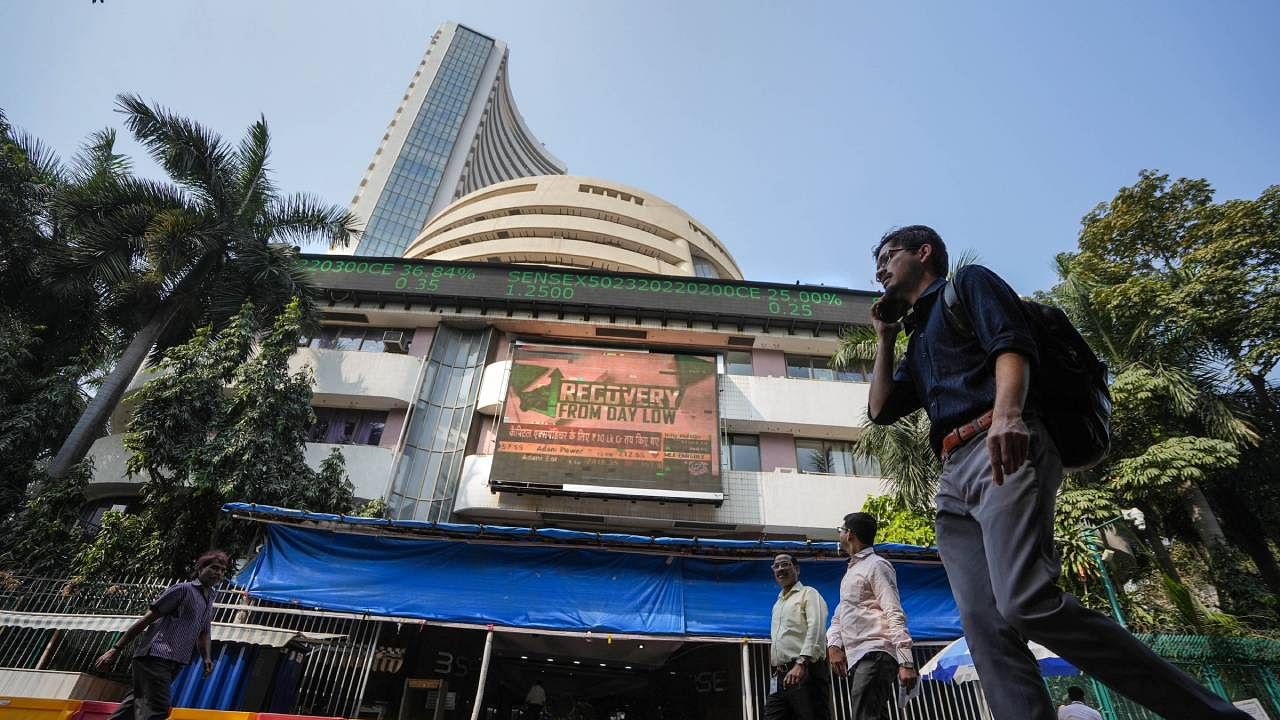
x: 532, y: 285
x: 597, y: 421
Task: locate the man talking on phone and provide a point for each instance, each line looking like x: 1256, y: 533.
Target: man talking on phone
x: 1000, y: 477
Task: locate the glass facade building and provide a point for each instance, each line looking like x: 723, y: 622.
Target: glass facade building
x: 455, y: 115
x: 415, y: 176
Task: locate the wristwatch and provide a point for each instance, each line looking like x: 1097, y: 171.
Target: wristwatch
x: 908, y: 664
x: 802, y: 660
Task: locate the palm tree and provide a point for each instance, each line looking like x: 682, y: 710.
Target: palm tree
x: 1179, y: 425
x: 186, y: 251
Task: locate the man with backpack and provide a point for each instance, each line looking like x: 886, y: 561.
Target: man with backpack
x: 970, y: 361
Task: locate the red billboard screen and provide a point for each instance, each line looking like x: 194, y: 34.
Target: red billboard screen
x: 609, y: 421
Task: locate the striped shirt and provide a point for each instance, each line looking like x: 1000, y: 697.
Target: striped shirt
x: 185, y: 615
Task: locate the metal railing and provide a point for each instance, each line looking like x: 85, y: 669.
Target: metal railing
x: 333, y: 676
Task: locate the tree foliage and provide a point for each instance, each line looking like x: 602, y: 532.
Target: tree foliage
x: 1179, y: 294
x: 50, y: 338
x: 223, y: 419
x: 900, y: 523
x: 188, y: 252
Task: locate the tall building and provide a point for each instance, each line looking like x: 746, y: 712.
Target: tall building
x: 455, y: 131
x: 591, y: 436
x: 590, y: 432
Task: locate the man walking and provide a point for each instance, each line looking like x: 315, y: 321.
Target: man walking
x: 178, y: 623
x: 868, y: 639
x: 799, y: 684
x: 999, y: 482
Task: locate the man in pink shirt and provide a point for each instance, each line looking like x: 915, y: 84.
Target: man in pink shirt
x: 868, y: 639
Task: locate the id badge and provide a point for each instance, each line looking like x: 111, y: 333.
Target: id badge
x: 773, y: 684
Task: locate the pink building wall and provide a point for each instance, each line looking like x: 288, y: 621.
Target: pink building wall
x: 395, y: 423
x: 768, y: 363
x: 421, y: 342
x: 776, y: 451
x: 488, y: 439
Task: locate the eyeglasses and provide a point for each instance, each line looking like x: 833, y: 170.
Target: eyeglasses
x: 842, y: 529
x: 888, y: 255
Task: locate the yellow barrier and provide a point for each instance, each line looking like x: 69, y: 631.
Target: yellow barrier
x: 25, y: 708
x: 194, y: 714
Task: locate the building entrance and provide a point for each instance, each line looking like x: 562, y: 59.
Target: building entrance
x: 598, y: 679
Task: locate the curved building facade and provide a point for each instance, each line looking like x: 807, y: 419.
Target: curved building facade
x: 574, y: 221
x: 455, y: 130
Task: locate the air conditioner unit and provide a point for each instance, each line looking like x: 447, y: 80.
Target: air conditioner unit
x: 394, y: 341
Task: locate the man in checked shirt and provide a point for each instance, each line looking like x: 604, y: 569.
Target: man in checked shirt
x: 868, y: 637
x: 177, y: 625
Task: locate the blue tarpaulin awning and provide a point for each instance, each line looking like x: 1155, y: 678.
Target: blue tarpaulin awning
x: 557, y: 588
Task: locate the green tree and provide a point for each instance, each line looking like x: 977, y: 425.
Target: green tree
x: 1181, y: 294
x: 899, y: 523
x: 188, y: 251
x: 222, y: 420
x: 50, y: 338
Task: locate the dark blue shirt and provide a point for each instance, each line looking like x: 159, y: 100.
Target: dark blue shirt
x: 949, y: 373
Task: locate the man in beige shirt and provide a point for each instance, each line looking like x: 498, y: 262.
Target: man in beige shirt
x: 868, y: 637
x: 799, y: 683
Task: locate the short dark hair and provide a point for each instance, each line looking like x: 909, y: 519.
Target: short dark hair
x: 914, y: 236
x: 788, y: 556
x: 210, y: 557
x: 1074, y: 693
x: 863, y: 526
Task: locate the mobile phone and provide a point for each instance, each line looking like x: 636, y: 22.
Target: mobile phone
x: 890, y: 310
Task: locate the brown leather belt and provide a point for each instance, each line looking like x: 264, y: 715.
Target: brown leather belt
x: 963, y: 434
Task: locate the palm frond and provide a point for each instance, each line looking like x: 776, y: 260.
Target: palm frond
x: 968, y: 256
x: 907, y: 463
x: 253, y: 183
x: 857, y: 345
x: 194, y: 156
x: 98, y: 161
x: 301, y: 218
x: 44, y: 161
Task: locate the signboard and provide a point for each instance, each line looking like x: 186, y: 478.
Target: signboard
x: 528, y: 284
x: 595, y: 421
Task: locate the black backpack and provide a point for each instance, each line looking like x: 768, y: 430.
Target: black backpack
x: 1069, y: 386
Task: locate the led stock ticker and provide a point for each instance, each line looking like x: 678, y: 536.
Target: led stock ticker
x: 531, y: 284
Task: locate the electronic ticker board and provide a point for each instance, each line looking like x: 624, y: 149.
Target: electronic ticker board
x: 529, y: 284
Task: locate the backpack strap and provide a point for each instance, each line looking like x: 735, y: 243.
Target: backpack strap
x: 954, y: 311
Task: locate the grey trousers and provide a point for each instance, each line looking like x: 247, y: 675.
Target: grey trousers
x: 871, y: 685
x: 997, y: 546
x: 149, y: 697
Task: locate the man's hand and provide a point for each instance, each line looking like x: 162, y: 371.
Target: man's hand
x: 104, y: 661
x: 208, y: 667
x: 908, y: 677
x: 836, y: 659
x: 1008, y: 443
x: 885, y: 331
x: 796, y: 675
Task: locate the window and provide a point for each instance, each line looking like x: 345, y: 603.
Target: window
x: 832, y: 457
x: 738, y: 362
x: 742, y: 452
x: 704, y: 268
x: 342, y: 426
x: 354, y: 339
x: 807, y: 367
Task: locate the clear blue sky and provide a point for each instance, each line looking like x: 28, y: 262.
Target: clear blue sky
x: 798, y: 132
